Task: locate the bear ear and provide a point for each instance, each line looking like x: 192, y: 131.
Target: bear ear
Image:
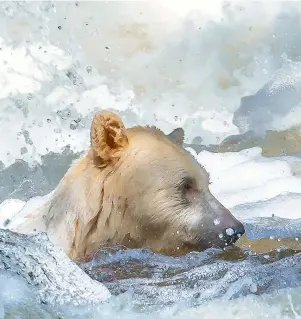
x: 177, y: 136
x: 108, y: 137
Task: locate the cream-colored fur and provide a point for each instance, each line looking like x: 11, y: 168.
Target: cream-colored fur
x: 136, y: 187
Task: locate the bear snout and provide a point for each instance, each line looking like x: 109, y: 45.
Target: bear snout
x: 232, y: 233
x: 229, y: 228
x: 226, y: 227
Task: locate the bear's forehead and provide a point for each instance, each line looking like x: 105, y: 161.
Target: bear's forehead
x: 143, y: 131
x: 153, y: 147
x: 151, y: 139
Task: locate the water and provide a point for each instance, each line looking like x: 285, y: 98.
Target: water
x: 229, y: 74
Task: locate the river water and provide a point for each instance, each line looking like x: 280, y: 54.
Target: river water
x: 229, y: 73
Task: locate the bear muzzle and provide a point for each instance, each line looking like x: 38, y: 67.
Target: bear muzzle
x: 232, y: 233
x: 226, y: 229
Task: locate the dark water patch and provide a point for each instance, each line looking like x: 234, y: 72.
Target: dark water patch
x: 158, y: 281
x: 23, y: 181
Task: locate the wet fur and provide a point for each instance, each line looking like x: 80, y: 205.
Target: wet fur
x: 93, y: 205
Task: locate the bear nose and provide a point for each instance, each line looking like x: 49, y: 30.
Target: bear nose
x: 232, y: 234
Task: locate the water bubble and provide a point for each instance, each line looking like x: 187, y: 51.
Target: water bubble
x: 19, y: 103
x: 23, y: 150
x: 253, y: 288
x: 73, y: 125
x: 229, y: 231
x: 63, y: 114
x: 216, y: 222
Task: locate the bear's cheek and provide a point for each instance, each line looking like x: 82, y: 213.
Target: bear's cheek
x: 191, y: 196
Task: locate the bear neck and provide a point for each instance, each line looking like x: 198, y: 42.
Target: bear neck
x: 82, y: 213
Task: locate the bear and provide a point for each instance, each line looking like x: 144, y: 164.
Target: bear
x: 137, y: 187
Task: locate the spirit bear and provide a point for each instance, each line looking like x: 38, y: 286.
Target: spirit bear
x: 135, y: 187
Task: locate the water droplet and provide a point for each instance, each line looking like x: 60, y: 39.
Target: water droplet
x: 216, y: 222
x: 19, y: 103
x: 253, y: 288
x: 23, y: 150
x: 73, y: 125
x: 229, y: 231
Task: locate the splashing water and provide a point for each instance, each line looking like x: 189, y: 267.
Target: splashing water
x: 228, y: 73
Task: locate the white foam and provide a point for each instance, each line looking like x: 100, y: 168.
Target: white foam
x: 276, y: 306
x: 17, y: 211
x: 9, y: 208
x: 170, y: 64
x: 285, y: 205
x: 158, y: 63
x: 247, y: 178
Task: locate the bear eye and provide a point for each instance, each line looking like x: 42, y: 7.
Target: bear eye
x: 187, y: 184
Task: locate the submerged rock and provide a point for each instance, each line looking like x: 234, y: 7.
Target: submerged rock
x: 56, y: 279
x: 157, y: 281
